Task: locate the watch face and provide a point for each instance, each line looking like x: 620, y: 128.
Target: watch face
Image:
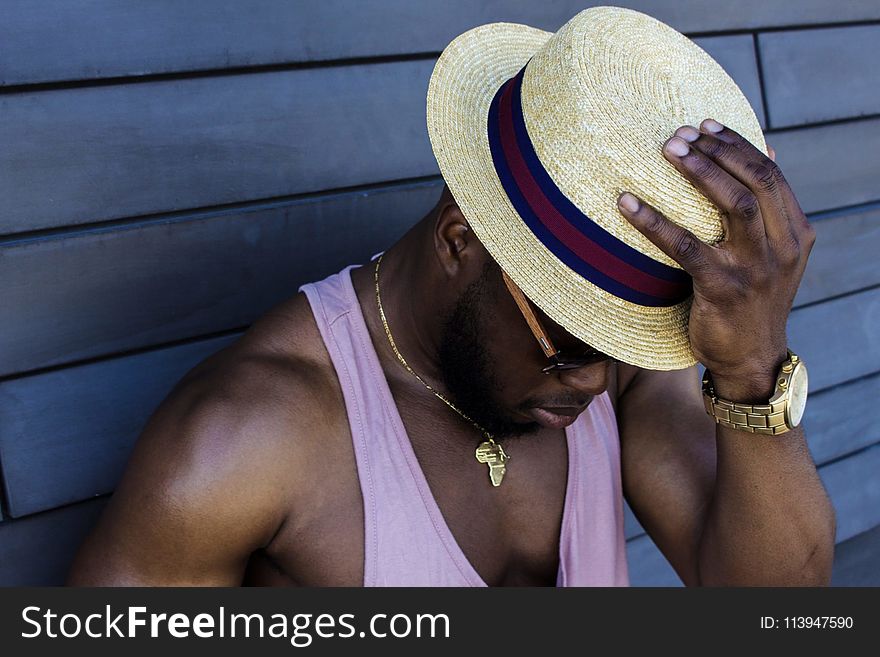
x: 797, y: 395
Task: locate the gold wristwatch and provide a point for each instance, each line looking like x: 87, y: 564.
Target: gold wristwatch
x: 782, y: 413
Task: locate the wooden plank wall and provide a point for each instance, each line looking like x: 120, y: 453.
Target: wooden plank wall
x: 171, y: 170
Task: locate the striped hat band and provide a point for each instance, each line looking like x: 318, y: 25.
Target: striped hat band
x: 573, y: 237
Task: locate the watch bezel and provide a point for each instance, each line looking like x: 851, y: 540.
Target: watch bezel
x: 794, y: 378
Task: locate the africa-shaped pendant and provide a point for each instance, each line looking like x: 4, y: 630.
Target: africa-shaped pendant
x: 492, y: 454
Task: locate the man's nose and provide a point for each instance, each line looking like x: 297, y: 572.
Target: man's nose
x: 590, y: 379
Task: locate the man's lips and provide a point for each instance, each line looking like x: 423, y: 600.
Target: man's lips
x: 556, y: 417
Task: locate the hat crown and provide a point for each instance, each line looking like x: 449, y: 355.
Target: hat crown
x: 536, y: 135
x: 600, y: 99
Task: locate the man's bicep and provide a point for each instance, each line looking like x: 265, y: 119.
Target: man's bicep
x: 668, y: 461
x: 185, y: 512
x: 155, y: 545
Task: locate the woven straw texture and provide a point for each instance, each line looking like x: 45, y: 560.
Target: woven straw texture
x: 600, y: 98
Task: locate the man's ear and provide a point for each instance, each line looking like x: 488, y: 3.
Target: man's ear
x: 455, y: 244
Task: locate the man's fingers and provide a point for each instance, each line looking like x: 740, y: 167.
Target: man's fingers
x: 756, y: 170
x: 743, y: 221
x: 771, y: 152
x: 678, y: 243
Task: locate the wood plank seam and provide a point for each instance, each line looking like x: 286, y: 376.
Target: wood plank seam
x: 783, y: 28
x: 369, y: 59
x: 835, y: 297
x: 197, y: 213
x: 820, y: 124
x: 832, y: 213
x: 853, y: 453
x: 760, y: 67
x: 4, y: 503
x: 128, y: 352
x: 194, y: 74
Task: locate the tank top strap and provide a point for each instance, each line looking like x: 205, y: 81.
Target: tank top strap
x: 407, y: 542
x: 592, y: 542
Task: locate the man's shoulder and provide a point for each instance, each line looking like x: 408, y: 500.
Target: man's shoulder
x: 259, y: 404
x: 278, y: 371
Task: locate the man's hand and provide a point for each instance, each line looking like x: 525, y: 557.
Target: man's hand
x: 745, y: 285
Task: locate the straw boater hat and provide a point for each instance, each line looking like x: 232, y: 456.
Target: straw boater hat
x: 537, y: 134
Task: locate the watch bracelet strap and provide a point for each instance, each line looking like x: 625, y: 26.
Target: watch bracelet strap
x: 766, y: 419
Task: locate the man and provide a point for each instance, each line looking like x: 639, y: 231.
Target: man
x: 421, y: 420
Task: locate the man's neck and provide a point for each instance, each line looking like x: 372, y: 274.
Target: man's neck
x: 412, y: 306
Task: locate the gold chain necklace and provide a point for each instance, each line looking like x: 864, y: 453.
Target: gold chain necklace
x: 489, y: 452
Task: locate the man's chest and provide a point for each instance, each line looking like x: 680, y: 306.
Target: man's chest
x: 508, y: 534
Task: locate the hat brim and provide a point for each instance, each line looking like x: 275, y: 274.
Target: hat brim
x: 463, y: 84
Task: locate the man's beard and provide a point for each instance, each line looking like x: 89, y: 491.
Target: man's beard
x: 466, y: 367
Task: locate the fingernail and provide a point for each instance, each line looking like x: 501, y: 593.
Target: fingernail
x: 628, y: 202
x: 688, y: 133
x: 677, y: 147
x: 712, y: 126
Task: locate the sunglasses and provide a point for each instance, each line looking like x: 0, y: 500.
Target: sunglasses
x: 558, y: 360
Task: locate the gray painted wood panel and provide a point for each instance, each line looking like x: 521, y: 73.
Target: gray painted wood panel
x: 47, y: 435
x: 831, y: 433
x: 831, y: 166
x: 844, y: 257
x: 854, y: 488
x: 38, y: 550
x: 631, y: 526
x: 843, y: 419
x: 90, y: 154
x: 838, y: 339
x: 855, y: 560
x: 158, y: 281
x: 647, y: 565
x: 150, y: 283
x: 821, y: 75
x: 736, y: 54
x: 857, y: 507
x: 57, y: 40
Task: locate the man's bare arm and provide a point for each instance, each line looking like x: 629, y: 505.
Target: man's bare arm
x: 203, y: 489
x: 668, y: 461
x: 724, y: 506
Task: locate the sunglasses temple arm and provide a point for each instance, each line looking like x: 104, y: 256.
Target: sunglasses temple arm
x: 531, y: 319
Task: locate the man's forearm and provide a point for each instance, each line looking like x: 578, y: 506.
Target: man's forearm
x: 770, y: 521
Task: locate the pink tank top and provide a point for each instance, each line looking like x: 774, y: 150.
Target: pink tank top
x: 407, y: 540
